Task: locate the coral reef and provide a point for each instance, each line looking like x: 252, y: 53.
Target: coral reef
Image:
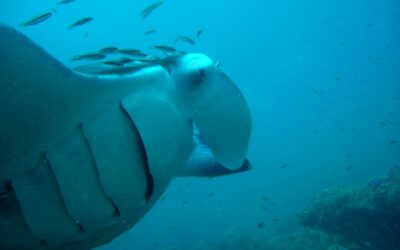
x: 364, y: 218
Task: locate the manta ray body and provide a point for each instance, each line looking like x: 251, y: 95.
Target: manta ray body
x: 83, y: 158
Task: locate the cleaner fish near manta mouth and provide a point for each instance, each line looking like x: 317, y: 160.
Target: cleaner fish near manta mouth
x: 81, y: 159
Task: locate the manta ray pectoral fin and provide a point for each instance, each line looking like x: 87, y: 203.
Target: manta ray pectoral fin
x: 34, y: 90
x: 224, y: 121
x: 42, y: 101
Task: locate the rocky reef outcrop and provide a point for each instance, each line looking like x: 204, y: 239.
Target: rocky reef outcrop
x: 363, y: 218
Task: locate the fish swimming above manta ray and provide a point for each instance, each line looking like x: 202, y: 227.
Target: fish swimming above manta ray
x: 119, y: 140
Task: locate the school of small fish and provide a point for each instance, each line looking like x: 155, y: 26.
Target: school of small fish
x: 111, y: 59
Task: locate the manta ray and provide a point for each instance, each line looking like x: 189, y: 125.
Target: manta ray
x: 84, y: 157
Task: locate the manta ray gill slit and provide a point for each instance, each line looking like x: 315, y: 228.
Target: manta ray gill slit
x: 149, y: 177
x: 117, y: 212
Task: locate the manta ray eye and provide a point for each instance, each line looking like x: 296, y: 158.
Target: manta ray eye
x: 202, y: 73
x: 193, y: 71
x: 197, y: 76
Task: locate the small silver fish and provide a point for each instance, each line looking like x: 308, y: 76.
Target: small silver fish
x: 37, y: 19
x: 132, y: 52
x: 185, y: 39
x: 89, y: 56
x: 81, y: 22
x: 260, y: 225
x: 108, y: 50
x: 66, y: 1
x: 118, y: 62
x: 199, y: 32
x: 149, y: 9
x: 149, y: 32
x: 163, y: 48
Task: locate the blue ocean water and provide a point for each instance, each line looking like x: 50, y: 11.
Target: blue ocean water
x: 322, y: 81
